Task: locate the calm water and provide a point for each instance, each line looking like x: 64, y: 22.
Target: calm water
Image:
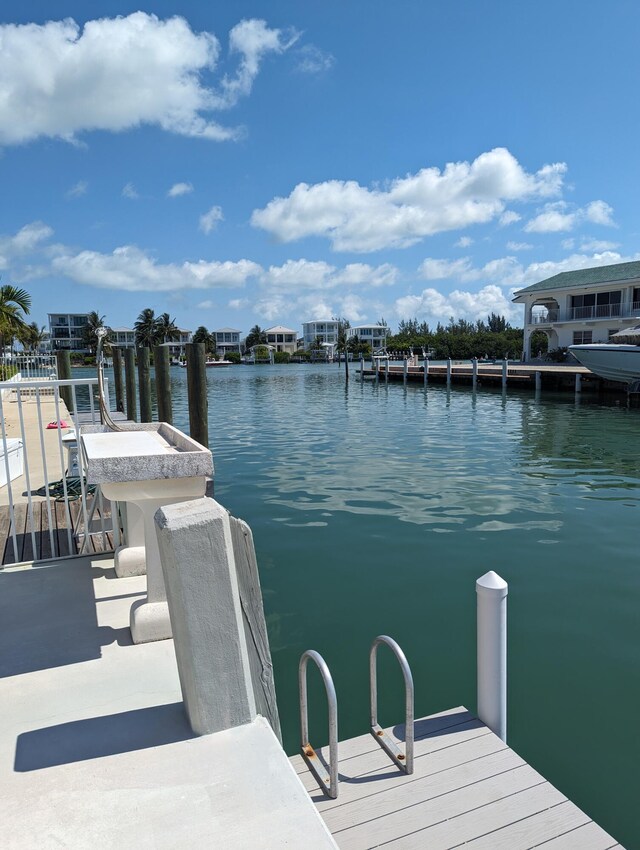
x: 374, y: 509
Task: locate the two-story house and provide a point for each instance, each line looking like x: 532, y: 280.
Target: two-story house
x: 282, y: 339
x: 226, y: 339
x: 582, y: 306
x: 66, y: 331
x: 324, y: 330
x: 375, y: 335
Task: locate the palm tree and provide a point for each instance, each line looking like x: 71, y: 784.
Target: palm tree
x: 32, y: 335
x: 89, y: 337
x: 167, y: 328
x: 15, y: 303
x: 256, y: 336
x: 146, y: 328
x: 202, y: 334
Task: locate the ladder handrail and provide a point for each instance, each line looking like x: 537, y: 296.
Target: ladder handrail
x: 325, y: 779
x: 403, y: 760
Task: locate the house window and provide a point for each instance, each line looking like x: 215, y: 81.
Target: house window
x: 582, y: 337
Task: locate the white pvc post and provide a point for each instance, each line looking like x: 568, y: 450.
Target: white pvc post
x: 538, y: 381
x: 578, y: 382
x: 449, y: 372
x: 426, y: 371
x: 386, y: 371
x: 474, y: 372
x: 406, y: 370
x: 505, y: 371
x: 362, y: 368
x: 491, y: 593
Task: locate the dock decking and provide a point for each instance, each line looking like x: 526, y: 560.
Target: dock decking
x: 468, y: 788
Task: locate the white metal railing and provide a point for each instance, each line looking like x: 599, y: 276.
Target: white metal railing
x: 32, y: 366
x: 594, y: 311
x: 47, y: 509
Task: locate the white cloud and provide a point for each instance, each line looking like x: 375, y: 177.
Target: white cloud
x: 312, y: 60
x: 464, y: 242
x: 128, y: 268
x: 519, y: 246
x: 357, y: 218
x: 27, y: 239
x: 434, y: 306
x: 179, y: 189
x: 568, y: 244
x: 210, y: 220
x: 78, y: 190
x: 296, y: 275
x: 432, y: 269
x: 509, y: 217
x: 238, y: 303
x: 598, y: 245
x: 205, y: 305
x: 130, y: 191
x: 559, y: 216
x: 59, y: 80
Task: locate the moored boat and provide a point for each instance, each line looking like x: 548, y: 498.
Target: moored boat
x: 610, y: 361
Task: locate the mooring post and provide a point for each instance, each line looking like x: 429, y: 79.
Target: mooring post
x: 474, y: 372
x: 449, y: 372
x: 197, y: 393
x: 63, y: 363
x: 386, y: 371
x: 505, y: 372
x: 538, y: 381
x: 130, y: 382
x: 425, y: 373
x: 578, y: 382
x: 117, y: 378
x: 492, y: 593
x: 362, y: 368
x: 405, y: 371
x: 144, y: 384
x: 163, y: 383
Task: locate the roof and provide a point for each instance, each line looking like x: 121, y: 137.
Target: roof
x: 586, y: 277
x: 374, y: 325
x: 226, y: 331
x: 320, y: 322
x: 123, y: 330
x: 279, y: 329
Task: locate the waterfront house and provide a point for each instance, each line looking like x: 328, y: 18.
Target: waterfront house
x: 326, y: 331
x: 66, y: 331
x: 282, y: 339
x: 375, y: 335
x: 582, y: 306
x: 226, y: 340
x: 177, y: 347
x: 123, y: 337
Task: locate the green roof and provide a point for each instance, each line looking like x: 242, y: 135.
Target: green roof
x: 586, y: 277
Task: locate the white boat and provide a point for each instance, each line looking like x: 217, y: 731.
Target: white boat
x: 209, y: 363
x: 610, y: 361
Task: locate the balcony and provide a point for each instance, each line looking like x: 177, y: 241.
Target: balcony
x: 597, y: 311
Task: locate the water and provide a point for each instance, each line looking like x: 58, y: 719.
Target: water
x: 375, y: 508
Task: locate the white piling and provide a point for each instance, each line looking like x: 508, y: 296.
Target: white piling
x: 578, y: 382
x: 362, y: 368
x: 505, y: 372
x: 449, y: 372
x: 426, y: 371
x: 386, y: 371
x: 491, y: 593
x: 474, y: 372
x: 538, y: 381
x: 405, y: 370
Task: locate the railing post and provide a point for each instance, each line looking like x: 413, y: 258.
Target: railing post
x: 163, y: 383
x: 130, y: 382
x: 117, y: 378
x: 144, y: 384
x: 63, y: 362
x: 197, y: 393
x: 491, y: 593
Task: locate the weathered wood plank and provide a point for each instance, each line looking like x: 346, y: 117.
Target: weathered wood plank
x: 587, y: 837
x: 533, y: 830
x: 255, y: 626
x: 46, y: 549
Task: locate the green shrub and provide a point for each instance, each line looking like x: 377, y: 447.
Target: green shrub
x: 281, y: 357
x: 233, y: 356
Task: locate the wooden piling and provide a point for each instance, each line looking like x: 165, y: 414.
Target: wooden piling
x: 197, y: 393
x: 130, y: 383
x: 144, y: 384
x: 163, y: 383
x: 117, y: 378
x: 63, y: 362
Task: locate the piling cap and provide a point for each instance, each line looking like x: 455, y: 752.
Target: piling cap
x: 492, y: 585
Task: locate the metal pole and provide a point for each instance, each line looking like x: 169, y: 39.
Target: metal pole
x: 63, y: 362
x: 505, y: 372
x: 474, y: 372
x: 130, y: 382
x: 491, y: 593
x: 449, y: 372
x: 197, y: 392
x: 163, y: 383
x: 144, y: 384
x: 117, y: 378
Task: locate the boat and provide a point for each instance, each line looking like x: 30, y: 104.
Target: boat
x: 610, y: 361
x: 209, y: 363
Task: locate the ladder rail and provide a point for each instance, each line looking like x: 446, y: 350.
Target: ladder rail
x: 403, y: 760
x: 328, y: 781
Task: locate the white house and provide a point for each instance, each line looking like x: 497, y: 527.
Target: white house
x: 177, y: 346
x: 324, y: 330
x: 65, y: 330
x: 123, y: 337
x: 282, y: 339
x: 582, y: 306
x: 226, y: 339
x: 375, y: 335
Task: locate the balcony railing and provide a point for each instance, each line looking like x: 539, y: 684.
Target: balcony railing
x: 597, y: 311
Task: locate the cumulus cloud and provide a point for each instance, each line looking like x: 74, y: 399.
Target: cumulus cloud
x: 78, y: 189
x: 310, y: 306
x: 296, y: 275
x: 519, y: 246
x: 130, y: 191
x: 210, y: 220
x: 357, y: 218
x: 179, y: 189
x: 464, y: 242
x: 131, y: 269
x: 26, y: 240
x: 598, y: 245
x: 434, y: 306
x: 312, y: 60
x: 59, y: 79
x: 238, y: 303
x: 560, y: 217
x: 509, y: 217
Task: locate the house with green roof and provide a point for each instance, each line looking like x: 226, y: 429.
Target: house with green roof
x: 581, y: 306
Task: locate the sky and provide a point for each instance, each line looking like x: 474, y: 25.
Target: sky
x: 278, y: 162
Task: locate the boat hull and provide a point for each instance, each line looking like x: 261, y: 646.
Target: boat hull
x: 613, y: 362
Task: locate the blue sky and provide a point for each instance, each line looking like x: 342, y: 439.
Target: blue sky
x: 278, y: 162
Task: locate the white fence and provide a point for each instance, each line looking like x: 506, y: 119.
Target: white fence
x: 32, y: 367
x: 47, y: 509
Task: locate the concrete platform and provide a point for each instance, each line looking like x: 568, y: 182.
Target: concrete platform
x: 95, y: 751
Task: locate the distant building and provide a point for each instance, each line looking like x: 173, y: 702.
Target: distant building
x: 44, y: 346
x: 177, y: 347
x: 325, y: 330
x: 583, y: 306
x: 66, y: 331
x: 282, y: 339
x: 226, y: 339
x: 123, y: 337
x: 375, y: 335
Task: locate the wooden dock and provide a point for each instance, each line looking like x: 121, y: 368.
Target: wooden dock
x: 468, y: 788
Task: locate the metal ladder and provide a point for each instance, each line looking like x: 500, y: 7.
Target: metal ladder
x: 328, y: 779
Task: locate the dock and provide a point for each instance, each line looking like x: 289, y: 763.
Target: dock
x: 468, y: 788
